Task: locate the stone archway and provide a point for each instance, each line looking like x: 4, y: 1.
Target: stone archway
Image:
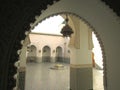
x: 104, y: 25
x: 101, y: 18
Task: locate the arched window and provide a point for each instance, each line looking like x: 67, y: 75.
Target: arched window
x: 59, y: 57
x: 31, y: 55
x: 46, y: 54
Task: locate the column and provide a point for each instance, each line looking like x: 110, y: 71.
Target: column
x: 22, y: 68
x: 22, y: 64
x: 81, y: 74
x: 53, y: 55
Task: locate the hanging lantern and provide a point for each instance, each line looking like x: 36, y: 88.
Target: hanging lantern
x: 66, y: 30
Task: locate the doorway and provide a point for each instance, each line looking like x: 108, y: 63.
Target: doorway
x: 46, y: 54
x: 31, y: 53
x: 59, y: 54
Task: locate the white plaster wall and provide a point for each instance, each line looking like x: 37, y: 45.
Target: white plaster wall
x: 82, y: 55
x: 52, y: 41
x: 84, y: 46
x: 49, y: 40
x: 105, y: 23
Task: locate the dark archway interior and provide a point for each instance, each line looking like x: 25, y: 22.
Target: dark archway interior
x: 15, y: 17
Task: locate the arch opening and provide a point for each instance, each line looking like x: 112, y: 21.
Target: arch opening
x: 59, y: 54
x: 46, y: 49
x: 46, y: 53
x: 31, y: 53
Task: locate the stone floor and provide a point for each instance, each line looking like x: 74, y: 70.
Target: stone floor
x: 40, y: 76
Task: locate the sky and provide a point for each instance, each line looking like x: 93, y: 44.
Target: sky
x: 50, y: 26
x: 97, y: 51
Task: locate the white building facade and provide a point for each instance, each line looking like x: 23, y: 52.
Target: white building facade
x: 48, y: 48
